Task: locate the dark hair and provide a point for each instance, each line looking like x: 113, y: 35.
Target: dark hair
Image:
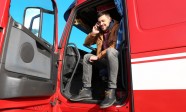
x: 103, y: 13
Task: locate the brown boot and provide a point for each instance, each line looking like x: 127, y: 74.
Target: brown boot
x: 109, y: 100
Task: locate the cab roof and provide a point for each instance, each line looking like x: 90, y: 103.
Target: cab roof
x: 88, y: 14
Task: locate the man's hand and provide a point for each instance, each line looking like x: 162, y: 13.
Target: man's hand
x: 95, y: 29
x: 93, y: 58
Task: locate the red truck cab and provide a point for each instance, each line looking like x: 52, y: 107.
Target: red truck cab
x: 40, y: 75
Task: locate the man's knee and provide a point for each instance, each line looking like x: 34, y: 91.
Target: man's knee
x: 86, y: 57
x: 112, y: 52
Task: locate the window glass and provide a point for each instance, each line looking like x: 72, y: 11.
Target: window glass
x: 33, y: 17
x: 78, y: 37
x: 48, y: 27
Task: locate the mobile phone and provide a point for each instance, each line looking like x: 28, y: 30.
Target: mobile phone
x: 98, y: 26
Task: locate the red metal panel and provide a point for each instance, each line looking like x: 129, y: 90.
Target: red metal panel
x: 157, y: 27
x: 150, y: 33
x: 160, y: 52
x: 79, y: 2
x: 4, y: 11
x: 160, y: 100
x: 159, y: 13
x: 26, y: 105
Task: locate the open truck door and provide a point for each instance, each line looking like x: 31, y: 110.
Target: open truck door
x: 28, y: 70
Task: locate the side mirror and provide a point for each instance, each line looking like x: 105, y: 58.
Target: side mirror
x: 32, y: 20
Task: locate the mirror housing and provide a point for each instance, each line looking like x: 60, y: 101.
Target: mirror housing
x: 32, y: 20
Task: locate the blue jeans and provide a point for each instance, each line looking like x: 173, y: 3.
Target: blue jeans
x: 110, y: 61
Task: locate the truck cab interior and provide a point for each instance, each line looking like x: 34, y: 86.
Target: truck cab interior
x: 85, y: 17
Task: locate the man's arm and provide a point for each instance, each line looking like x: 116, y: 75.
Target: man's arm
x: 90, y: 39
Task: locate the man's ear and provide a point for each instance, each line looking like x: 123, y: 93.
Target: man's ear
x: 110, y: 18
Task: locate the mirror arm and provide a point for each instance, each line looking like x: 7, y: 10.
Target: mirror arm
x: 32, y: 20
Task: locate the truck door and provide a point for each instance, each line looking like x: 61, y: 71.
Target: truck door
x: 27, y: 67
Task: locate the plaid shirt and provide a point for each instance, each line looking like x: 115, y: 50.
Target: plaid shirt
x: 105, y: 40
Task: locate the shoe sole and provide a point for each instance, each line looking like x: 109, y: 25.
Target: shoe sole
x: 106, y: 106
x: 82, y: 99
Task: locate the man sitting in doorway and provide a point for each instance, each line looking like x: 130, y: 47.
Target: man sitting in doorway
x: 104, y: 34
